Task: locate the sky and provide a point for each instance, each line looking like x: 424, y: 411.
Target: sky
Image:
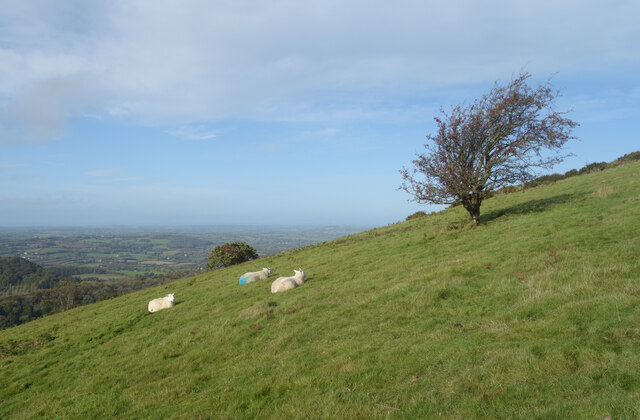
x: 207, y: 112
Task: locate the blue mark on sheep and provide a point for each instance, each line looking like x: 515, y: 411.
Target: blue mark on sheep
x: 243, y: 279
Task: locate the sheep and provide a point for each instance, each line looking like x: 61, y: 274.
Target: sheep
x: 287, y: 283
x: 161, y: 303
x: 252, y: 276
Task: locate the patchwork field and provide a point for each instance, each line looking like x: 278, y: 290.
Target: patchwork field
x: 114, y: 253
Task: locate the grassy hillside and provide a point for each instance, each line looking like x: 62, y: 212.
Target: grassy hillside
x: 534, y: 314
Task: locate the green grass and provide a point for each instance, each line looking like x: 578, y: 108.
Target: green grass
x: 533, y: 314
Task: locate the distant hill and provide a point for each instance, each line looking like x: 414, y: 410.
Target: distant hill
x: 532, y: 314
x: 16, y: 271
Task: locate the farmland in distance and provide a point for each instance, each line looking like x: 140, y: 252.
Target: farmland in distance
x: 116, y: 253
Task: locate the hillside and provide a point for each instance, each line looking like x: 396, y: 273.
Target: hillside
x: 16, y: 271
x: 533, y: 314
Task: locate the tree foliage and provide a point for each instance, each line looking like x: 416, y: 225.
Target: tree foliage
x: 496, y: 141
x: 229, y: 254
x: 21, y: 273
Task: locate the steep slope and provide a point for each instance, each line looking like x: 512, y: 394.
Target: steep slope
x: 532, y: 314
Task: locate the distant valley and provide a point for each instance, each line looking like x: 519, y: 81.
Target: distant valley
x: 52, y: 270
x: 108, y: 253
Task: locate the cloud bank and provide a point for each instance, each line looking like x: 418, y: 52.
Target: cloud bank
x: 197, y: 61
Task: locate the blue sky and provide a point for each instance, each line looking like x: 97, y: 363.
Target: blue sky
x: 277, y: 113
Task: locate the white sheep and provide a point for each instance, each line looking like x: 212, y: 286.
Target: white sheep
x: 287, y: 283
x: 162, y: 303
x: 252, y: 276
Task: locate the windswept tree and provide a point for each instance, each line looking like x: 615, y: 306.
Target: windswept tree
x: 497, y: 141
x: 230, y: 254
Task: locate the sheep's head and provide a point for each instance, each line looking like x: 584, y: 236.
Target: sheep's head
x: 300, y: 273
x: 267, y: 270
x: 170, y: 297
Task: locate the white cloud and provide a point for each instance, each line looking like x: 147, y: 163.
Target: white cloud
x: 41, y: 111
x: 189, y: 132
x: 196, y: 61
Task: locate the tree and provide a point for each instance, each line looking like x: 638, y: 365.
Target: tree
x: 494, y: 142
x: 66, y: 292
x: 230, y: 254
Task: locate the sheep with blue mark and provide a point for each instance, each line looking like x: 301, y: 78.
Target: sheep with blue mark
x: 252, y: 276
x: 282, y: 284
x: 161, y: 303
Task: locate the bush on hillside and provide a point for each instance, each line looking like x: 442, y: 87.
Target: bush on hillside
x: 416, y: 215
x: 629, y: 157
x: 231, y: 253
x: 593, y: 167
x: 542, y: 180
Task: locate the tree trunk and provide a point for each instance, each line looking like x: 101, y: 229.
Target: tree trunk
x: 472, y: 205
x: 474, y: 215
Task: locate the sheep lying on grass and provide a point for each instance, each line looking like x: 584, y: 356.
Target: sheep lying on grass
x: 252, y: 276
x: 162, y: 303
x: 287, y: 283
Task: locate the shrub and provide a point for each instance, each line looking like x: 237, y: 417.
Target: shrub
x: 629, y: 157
x: 416, y: 215
x: 543, y: 180
x: 231, y: 253
x: 509, y: 189
x: 593, y: 167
